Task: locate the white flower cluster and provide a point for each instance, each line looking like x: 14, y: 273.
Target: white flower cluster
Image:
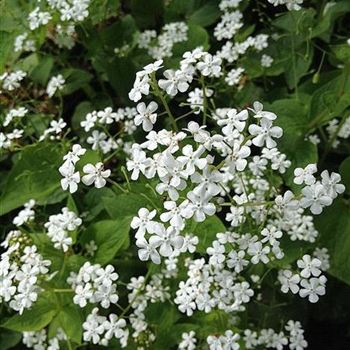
x: 21, y: 268
x: 228, y: 341
x: 308, y: 282
x: 317, y: 194
x: 8, y: 140
x: 22, y: 43
x: 271, y: 339
x: 100, y: 329
x: 94, y: 174
x: 25, y: 215
x: 104, y: 118
x: 141, y: 293
x: 212, y: 285
x: 71, y: 10
x: 38, y: 18
x: 58, y: 227
x: 11, y: 81
x: 188, y: 341
x: 94, y: 284
x: 54, y: 130
x: 338, y: 131
x: 55, y: 83
x: 231, y: 20
x: 40, y: 341
x: 231, y: 52
x: 19, y: 112
x: 291, y: 4
x: 161, y: 46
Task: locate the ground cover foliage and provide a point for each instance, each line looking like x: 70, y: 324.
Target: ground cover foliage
x: 175, y: 174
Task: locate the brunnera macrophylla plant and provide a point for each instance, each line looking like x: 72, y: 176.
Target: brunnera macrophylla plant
x: 178, y: 219
x: 229, y: 176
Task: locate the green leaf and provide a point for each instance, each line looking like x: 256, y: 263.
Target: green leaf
x: 331, y: 99
x: 90, y: 156
x: 8, y: 339
x: 121, y: 75
x: 70, y: 319
x: 345, y: 173
x: 119, y: 33
x: 147, y: 15
x: 334, y: 227
x: 205, y: 15
x: 6, y: 48
x: 342, y: 52
x: 125, y: 204
x: 94, y: 201
x: 100, y: 11
x: 35, y: 318
x: 110, y: 236
x: 41, y: 72
x: 75, y: 80
x: 36, y: 174
x: 331, y: 12
x: 80, y: 112
x: 206, y: 231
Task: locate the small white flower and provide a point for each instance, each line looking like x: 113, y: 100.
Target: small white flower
x: 71, y: 178
x: 146, y: 115
x: 265, y: 133
x: 95, y: 174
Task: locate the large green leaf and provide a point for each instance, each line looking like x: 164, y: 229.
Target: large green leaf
x: 110, y: 236
x: 147, y: 14
x: 35, y: 318
x: 334, y: 227
x: 205, y: 15
x: 34, y: 176
x: 75, y: 80
x: 345, y: 173
x: 70, y: 319
x: 331, y: 99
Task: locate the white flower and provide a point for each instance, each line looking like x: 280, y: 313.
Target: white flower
x: 168, y: 240
x: 234, y: 76
x: 258, y: 253
x: 188, y: 341
x: 315, y: 197
x: 137, y: 164
x: 236, y: 260
x: 55, y: 83
x: 271, y: 235
x: 90, y: 121
x: 146, y: 115
x: 233, y: 120
x: 331, y: 184
x: 175, y: 214
x: 200, y: 206
x: 264, y: 133
x: 305, y: 175
x: 71, y: 178
x: 209, y: 65
x: 148, y: 250
x: 95, y: 174
x: 216, y: 253
x: 289, y: 281
x: 260, y: 113
x: 266, y: 61
x: 175, y: 81
x: 309, y: 266
x: 313, y: 288
x: 143, y: 222
x: 96, y: 139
